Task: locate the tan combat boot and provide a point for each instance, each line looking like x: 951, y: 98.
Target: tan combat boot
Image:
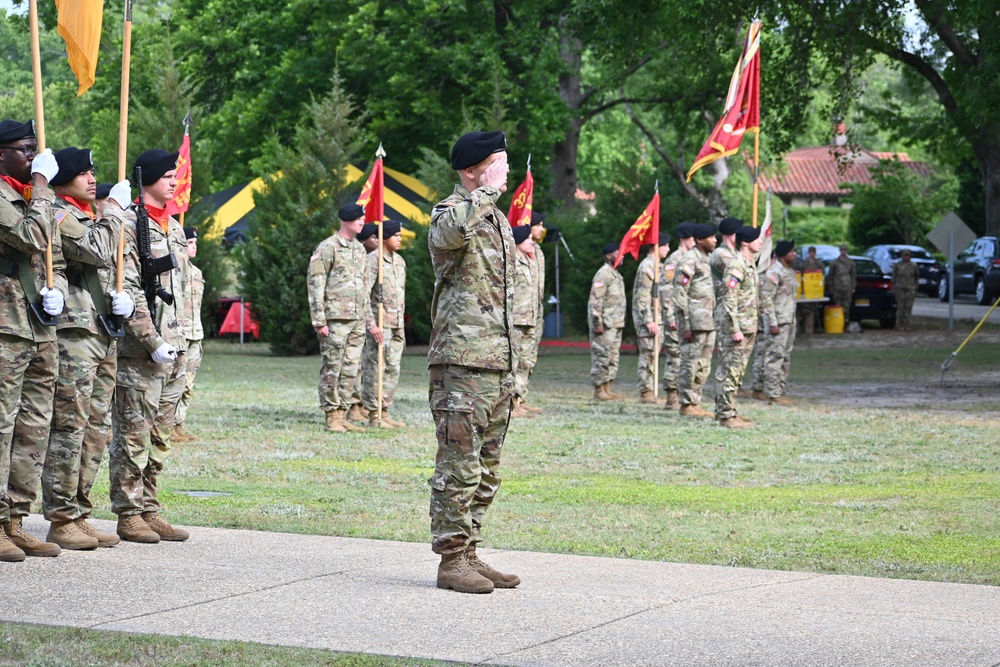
x: 28, y: 543
x: 733, y: 422
x: 346, y: 423
x: 499, y: 579
x: 782, y: 401
x: 455, y: 573
x: 673, y: 401
x: 530, y: 408
x: 357, y: 413
x: 374, y: 422
x: 162, y: 527
x: 9, y: 552
x: 103, y: 539
x: 391, y: 422
x: 180, y: 435
x: 611, y: 393
x: 647, y: 398
x: 745, y: 420
x: 600, y: 394
x: 132, y: 528
x: 519, y: 412
x: 743, y: 393
x: 69, y: 536
x: 692, y: 410
x: 758, y: 395
x: 335, y: 421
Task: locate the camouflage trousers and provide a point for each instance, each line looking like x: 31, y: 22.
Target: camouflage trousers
x: 696, y: 362
x: 904, y: 299
x: 672, y: 359
x: 392, y: 353
x: 645, y: 378
x: 172, y: 394
x: 471, y: 409
x: 605, y: 349
x: 774, y: 356
x: 524, y: 343
x: 30, y: 438
x: 733, y: 360
x: 138, y: 450
x: 193, y: 355
x: 15, y: 354
x: 341, y: 352
x: 844, y: 298
x: 81, y: 424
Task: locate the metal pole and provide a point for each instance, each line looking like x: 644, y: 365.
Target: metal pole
x: 951, y: 281
x: 558, y: 326
x: 242, y: 313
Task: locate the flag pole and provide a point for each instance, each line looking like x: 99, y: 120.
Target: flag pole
x: 187, y: 128
x: 379, y: 154
x: 656, y: 307
x: 36, y: 72
x: 756, y: 166
x: 123, y: 135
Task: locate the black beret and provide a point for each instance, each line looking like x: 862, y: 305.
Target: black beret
x: 369, y: 230
x: 351, y: 212
x: 521, y: 233
x: 783, y: 248
x: 11, y: 130
x: 474, y: 147
x: 685, y: 230
x: 103, y: 190
x: 391, y: 228
x: 72, y: 162
x: 703, y: 231
x: 155, y: 163
x: 664, y: 239
x: 190, y: 233
x: 729, y: 226
x: 747, y: 234
x: 537, y: 218
x: 610, y: 248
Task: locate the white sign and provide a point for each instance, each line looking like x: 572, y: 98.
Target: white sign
x: 951, y: 227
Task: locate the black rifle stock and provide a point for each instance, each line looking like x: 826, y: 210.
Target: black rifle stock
x: 150, y: 267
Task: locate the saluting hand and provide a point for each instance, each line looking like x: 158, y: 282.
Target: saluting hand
x: 496, y: 174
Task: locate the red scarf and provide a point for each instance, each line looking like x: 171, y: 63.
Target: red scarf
x: 22, y: 189
x: 83, y: 206
x: 159, y: 215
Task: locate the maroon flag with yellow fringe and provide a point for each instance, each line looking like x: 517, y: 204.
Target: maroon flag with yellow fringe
x: 644, y: 231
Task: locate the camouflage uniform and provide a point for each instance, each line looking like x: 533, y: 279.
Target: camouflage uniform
x: 905, y: 279
x: 88, y: 360
x: 340, y: 298
x: 471, y: 360
x: 668, y: 320
x: 694, y: 297
x: 194, y: 291
x: 393, y: 307
x: 28, y: 351
x: 843, y: 277
x: 606, y: 309
x: 739, y: 313
x: 539, y: 258
x: 525, y: 321
x: 777, y: 309
x: 139, y: 448
x: 643, y: 312
x: 719, y: 261
x: 35, y: 367
x: 173, y: 388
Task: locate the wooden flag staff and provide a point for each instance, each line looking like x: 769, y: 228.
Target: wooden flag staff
x: 36, y: 71
x: 123, y: 134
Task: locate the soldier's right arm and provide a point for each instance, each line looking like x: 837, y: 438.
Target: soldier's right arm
x: 682, y: 281
x: 767, y: 293
x: 453, y: 222
x: 598, y: 290
x: 320, y: 264
x: 28, y: 233
x: 141, y: 323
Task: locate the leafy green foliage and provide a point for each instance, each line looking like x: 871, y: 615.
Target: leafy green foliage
x: 815, y: 225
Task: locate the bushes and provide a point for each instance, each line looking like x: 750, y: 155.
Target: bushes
x: 814, y: 225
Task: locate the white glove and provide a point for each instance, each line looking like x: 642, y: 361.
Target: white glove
x: 52, y: 300
x: 121, y: 194
x: 165, y: 354
x: 122, y: 304
x: 45, y: 164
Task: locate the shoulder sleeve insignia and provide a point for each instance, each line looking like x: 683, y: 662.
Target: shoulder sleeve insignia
x: 685, y: 279
x: 773, y: 277
x: 60, y: 216
x: 598, y: 284
x: 734, y: 282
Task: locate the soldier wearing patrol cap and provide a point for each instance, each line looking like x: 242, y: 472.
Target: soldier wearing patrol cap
x: 340, y: 303
x: 194, y: 290
x: 28, y: 350
x: 694, y: 296
x: 644, y: 292
x: 606, y: 319
x: 471, y: 358
x: 88, y: 354
x: 671, y: 337
x: 525, y: 316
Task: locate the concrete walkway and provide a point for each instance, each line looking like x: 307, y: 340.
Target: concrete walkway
x: 379, y: 597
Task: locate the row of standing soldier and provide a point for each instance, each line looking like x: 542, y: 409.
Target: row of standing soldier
x: 85, y: 361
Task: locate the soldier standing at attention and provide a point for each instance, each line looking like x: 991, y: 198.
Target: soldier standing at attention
x: 644, y: 291
x: 671, y: 337
x: 606, y: 315
x: 340, y: 303
x: 28, y: 350
x: 368, y: 236
x: 737, y: 327
x: 194, y: 291
x: 905, y: 279
x: 525, y: 317
x: 843, y: 277
x: 471, y: 358
x: 88, y: 355
x: 694, y: 296
x: 724, y: 253
x: 146, y: 357
x: 538, y: 275
x: 393, y: 293
x: 778, y: 310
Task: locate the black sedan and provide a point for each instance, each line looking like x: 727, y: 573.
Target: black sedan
x: 886, y: 257
x: 873, y: 297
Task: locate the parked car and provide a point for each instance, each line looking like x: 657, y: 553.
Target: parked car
x: 977, y: 271
x: 886, y: 257
x: 873, y: 297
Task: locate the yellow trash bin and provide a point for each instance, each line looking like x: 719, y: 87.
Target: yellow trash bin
x: 813, y: 284
x: 833, y: 320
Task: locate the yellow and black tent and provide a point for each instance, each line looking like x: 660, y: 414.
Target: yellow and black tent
x: 232, y: 208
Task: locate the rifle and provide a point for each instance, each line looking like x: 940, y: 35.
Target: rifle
x: 150, y: 267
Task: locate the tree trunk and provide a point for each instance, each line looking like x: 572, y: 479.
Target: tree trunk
x: 988, y: 154
x: 564, y: 173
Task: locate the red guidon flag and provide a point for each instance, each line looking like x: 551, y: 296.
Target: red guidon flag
x: 520, y: 207
x: 644, y: 231
x: 373, y: 194
x: 182, y: 193
x: 742, y: 112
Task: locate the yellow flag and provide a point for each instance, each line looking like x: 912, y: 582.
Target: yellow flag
x: 80, y: 26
